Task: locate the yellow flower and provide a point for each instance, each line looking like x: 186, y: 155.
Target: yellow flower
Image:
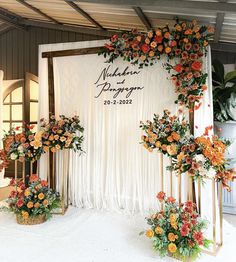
x: 172, y: 217
x: 56, y: 137
x: 158, y: 230
x: 38, y: 135
x: 150, y: 149
x: 180, y: 156
x: 172, y: 248
x: 149, y: 233
x: 30, y: 204
x: 25, y: 214
x: 174, y: 225
x: 41, y: 196
x: 171, y: 237
x: 27, y: 192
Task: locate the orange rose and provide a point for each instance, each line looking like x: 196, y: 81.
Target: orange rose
x: 175, y: 136
x: 41, y: 196
x: 149, y: 233
x: 151, y: 53
x: 167, y: 50
x: 164, y: 147
x: 25, y: 214
x: 170, y: 139
x: 171, y: 237
x: 158, y: 230
x: 158, y: 144
x: 167, y: 35
x: 37, y: 205
x: 30, y: 204
x: 45, y: 202
x: 27, y: 192
x: 172, y: 248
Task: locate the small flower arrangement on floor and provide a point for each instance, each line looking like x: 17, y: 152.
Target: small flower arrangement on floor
x: 32, y: 204
x: 21, y: 143
x: 62, y: 133
x: 177, y: 230
x: 164, y: 133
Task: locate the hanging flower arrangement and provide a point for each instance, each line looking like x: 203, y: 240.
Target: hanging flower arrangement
x: 177, y: 230
x: 62, y: 133
x: 186, y: 43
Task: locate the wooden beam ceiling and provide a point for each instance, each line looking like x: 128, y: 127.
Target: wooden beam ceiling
x: 142, y: 17
x: 199, y: 5
x: 11, y: 19
x: 38, y: 11
x: 84, y: 14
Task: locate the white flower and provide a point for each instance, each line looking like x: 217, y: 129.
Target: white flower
x: 13, y: 156
x: 211, y: 173
x: 200, y: 158
x: 20, y: 149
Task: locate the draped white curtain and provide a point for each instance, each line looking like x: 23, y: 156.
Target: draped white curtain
x: 115, y: 172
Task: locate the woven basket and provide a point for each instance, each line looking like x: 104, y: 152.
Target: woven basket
x: 175, y: 256
x: 34, y: 220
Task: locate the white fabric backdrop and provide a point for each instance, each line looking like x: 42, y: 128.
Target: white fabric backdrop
x: 116, y: 172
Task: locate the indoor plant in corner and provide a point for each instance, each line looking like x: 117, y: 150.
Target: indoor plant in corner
x: 224, y: 100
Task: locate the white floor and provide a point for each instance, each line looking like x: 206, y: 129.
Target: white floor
x: 89, y: 236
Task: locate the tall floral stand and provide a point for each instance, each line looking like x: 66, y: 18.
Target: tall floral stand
x: 59, y: 177
x: 215, y: 199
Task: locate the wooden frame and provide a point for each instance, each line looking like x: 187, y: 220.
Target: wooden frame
x: 51, y: 101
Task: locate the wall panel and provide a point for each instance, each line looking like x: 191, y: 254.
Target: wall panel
x: 19, y: 49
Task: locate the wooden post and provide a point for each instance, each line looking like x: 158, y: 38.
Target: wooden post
x: 51, y: 101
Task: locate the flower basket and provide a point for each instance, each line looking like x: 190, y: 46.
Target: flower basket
x: 178, y: 257
x: 31, y: 220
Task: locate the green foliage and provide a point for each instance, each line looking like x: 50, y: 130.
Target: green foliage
x: 224, y: 92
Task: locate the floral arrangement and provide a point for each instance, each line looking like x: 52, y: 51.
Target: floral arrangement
x: 203, y: 157
x: 32, y: 201
x: 187, y: 41
x: 164, y: 133
x: 177, y: 230
x: 62, y: 133
x: 21, y: 143
x: 3, y: 160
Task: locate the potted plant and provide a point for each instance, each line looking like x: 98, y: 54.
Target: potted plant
x: 33, y: 204
x: 224, y: 101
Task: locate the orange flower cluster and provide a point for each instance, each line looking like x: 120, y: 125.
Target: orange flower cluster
x: 21, y: 144
x: 61, y: 133
x: 164, y: 133
x: 213, y: 149
x: 33, y: 200
x: 176, y: 228
x: 187, y: 41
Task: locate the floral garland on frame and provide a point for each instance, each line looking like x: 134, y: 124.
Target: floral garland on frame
x: 187, y: 41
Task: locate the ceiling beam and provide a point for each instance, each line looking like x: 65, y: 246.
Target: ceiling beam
x: 36, y: 10
x: 223, y: 47
x: 4, y: 28
x: 71, y: 28
x: 218, y: 27
x: 11, y: 19
x: 142, y: 17
x: 200, y: 5
x: 84, y: 14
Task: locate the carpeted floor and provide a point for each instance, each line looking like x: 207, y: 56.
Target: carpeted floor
x: 88, y: 236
